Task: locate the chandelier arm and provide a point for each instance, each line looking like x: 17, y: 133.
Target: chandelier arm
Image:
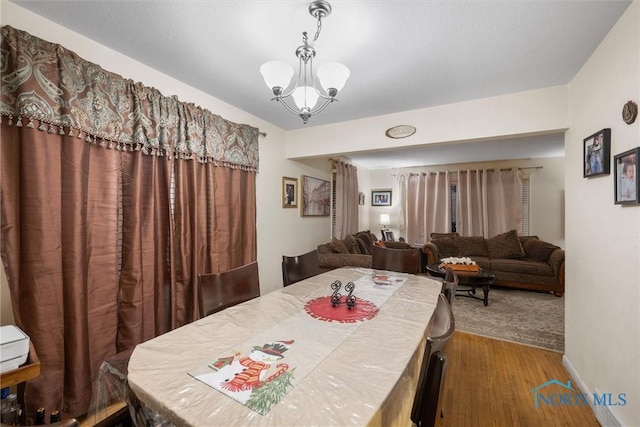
x: 323, y: 106
x: 323, y: 96
x: 286, y: 105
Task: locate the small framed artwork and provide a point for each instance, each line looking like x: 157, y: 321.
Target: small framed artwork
x: 597, y: 151
x: 381, y: 198
x: 361, y: 198
x: 316, y: 197
x: 387, y: 236
x: 626, y: 177
x: 289, y: 192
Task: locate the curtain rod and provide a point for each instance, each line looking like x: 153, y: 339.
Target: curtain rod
x: 262, y: 133
x: 491, y: 169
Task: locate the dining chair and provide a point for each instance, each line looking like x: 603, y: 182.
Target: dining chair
x: 442, y: 329
x: 450, y: 285
x: 221, y: 290
x: 400, y: 260
x: 300, y: 267
x: 432, y: 391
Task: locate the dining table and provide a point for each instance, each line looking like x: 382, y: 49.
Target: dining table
x: 343, y: 348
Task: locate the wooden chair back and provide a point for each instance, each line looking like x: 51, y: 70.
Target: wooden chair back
x: 442, y: 329
x: 400, y: 260
x: 428, y: 413
x: 300, y: 267
x: 450, y: 285
x: 221, y: 290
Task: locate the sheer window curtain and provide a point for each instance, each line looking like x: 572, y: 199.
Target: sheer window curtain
x: 346, y: 199
x: 489, y: 202
x: 428, y: 204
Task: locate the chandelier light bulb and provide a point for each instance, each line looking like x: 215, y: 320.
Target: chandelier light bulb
x: 277, y: 74
x: 305, y: 97
x: 333, y: 75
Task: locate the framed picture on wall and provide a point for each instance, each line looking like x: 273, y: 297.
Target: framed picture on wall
x: 597, y: 151
x: 381, y: 198
x: 289, y: 192
x: 316, y: 197
x: 626, y: 177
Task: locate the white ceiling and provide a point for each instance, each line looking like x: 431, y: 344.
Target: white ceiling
x: 403, y: 55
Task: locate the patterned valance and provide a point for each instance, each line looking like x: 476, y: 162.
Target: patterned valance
x: 49, y: 87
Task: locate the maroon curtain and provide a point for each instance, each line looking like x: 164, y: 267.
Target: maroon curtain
x: 98, y: 256
x: 59, y: 240
x: 145, y: 284
x: 94, y: 262
x: 215, y: 216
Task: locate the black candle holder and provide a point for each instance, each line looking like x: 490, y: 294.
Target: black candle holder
x: 350, y: 299
x: 336, y: 297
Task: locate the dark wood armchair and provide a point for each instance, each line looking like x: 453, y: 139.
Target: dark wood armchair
x: 400, y: 260
x: 221, y: 290
x: 300, y: 267
x: 431, y: 378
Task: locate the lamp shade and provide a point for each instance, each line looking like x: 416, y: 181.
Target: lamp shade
x: 276, y: 74
x: 305, y: 96
x: 384, y: 219
x: 333, y: 75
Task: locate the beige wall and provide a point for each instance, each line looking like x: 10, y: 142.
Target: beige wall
x: 518, y: 114
x: 603, y: 239
x: 546, y: 197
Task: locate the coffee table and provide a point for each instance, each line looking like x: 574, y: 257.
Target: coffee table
x: 472, y: 279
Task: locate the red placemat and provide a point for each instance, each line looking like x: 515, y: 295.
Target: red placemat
x: 321, y: 309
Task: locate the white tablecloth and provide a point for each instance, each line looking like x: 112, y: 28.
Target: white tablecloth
x: 368, y: 378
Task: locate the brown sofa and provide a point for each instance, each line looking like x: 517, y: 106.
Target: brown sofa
x: 524, y: 262
x: 354, y: 250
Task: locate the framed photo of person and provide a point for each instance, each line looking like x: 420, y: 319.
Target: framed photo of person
x: 626, y: 177
x: 597, y: 151
x: 289, y: 192
x: 381, y: 198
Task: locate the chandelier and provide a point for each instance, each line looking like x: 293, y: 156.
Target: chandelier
x: 305, y: 92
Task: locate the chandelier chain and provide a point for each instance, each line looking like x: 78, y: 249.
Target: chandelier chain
x: 319, y: 28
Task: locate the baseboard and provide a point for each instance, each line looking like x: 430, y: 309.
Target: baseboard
x: 602, y: 413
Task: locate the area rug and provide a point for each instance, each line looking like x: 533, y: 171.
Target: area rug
x: 525, y: 317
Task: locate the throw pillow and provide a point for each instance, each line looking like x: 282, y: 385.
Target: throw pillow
x: 338, y: 246
x: 471, y: 246
x: 365, y: 240
x: 435, y: 236
x: 538, y: 250
x: 351, y: 244
x: 446, y: 247
x: 363, y: 246
x: 380, y: 243
x: 505, y: 245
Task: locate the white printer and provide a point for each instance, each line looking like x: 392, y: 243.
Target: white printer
x: 14, y: 348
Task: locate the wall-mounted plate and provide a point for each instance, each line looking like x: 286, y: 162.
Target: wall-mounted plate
x: 400, y: 131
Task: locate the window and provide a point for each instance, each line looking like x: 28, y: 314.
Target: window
x: 454, y: 198
x: 525, y: 207
x: 526, y: 184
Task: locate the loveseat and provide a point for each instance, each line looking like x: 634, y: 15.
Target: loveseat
x: 354, y: 250
x: 524, y: 262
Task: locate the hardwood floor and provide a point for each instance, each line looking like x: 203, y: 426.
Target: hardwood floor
x: 489, y: 382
